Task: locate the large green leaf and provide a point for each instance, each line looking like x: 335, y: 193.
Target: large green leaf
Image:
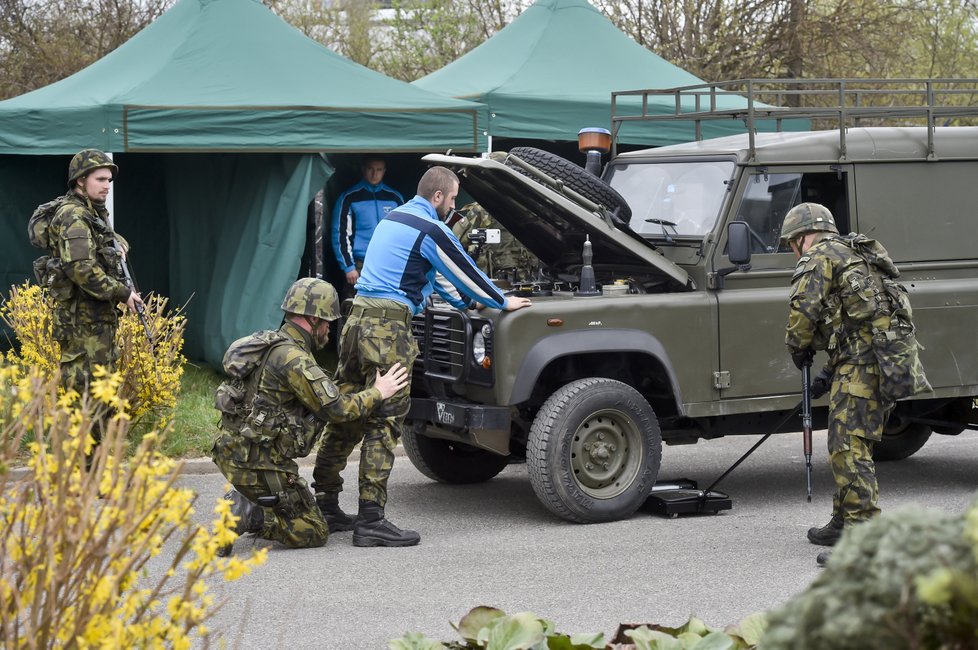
x: 520, y: 631
x: 714, y: 641
x: 696, y: 626
x: 477, y: 618
x: 647, y: 639
x: 750, y: 630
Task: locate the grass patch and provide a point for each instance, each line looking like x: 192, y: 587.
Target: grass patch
x: 195, y: 421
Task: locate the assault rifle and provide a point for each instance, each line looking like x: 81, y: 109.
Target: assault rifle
x: 131, y: 283
x: 806, y: 419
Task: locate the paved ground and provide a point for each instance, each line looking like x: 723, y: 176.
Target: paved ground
x: 495, y: 544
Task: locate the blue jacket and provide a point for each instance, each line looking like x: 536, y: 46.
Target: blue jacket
x: 408, y: 251
x: 356, y: 214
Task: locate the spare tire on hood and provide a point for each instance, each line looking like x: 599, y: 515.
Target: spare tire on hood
x: 574, y: 177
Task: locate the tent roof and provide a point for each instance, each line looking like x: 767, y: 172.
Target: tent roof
x: 230, y: 75
x: 552, y: 70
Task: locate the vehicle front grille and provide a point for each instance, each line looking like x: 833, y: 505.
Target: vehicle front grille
x: 441, y: 339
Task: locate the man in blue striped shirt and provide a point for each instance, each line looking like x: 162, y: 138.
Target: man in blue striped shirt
x: 411, y: 254
x: 355, y: 216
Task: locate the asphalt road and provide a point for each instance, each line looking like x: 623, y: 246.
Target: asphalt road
x: 495, y: 544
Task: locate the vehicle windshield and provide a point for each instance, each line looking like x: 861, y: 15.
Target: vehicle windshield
x: 670, y: 199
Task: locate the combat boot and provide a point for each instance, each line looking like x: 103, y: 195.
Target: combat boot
x: 823, y: 558
x: 251, y: 518
x: 828, y: 534
x: 336, y: 519
x: 372, y: 529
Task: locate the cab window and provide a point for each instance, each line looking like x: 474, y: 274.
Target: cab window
x: 769, y: 196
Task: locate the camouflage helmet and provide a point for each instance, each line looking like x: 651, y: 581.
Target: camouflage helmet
x: 806, y: 217
x: 88, y: 160
x: 312, y: 297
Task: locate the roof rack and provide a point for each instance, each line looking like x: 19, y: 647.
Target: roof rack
x: 834, y: 103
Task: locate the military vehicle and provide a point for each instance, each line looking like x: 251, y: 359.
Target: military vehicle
x: 682, y: 336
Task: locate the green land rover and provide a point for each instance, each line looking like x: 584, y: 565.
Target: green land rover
x: 681, y: 337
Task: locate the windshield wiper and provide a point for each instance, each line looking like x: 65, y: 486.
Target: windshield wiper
x: 663, y: 224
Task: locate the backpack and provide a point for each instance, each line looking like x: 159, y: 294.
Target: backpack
x: 894, y: 335
x: 244, y: 363
x: 38, y: 232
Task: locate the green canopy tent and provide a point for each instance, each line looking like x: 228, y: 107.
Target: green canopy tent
x: 218, y: 114
x: 552, y: 70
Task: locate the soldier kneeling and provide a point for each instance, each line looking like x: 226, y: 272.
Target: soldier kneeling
x: 273, y: 409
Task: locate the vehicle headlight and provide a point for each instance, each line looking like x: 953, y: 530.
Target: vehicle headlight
x: 480, y: 346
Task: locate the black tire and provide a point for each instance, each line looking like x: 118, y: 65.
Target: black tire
x: 582, y: 424
x: 900, y: 440
x: 451, y: 462
x: 574, y: 177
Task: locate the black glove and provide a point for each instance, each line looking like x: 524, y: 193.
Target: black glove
x: 822, y: 383
x: 801, y: 356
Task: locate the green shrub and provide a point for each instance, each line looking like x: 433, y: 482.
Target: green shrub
x: 908, y: 580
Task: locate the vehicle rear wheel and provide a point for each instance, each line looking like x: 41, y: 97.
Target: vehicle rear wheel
x: 594, y: 451
x: 574, y: 177
x: 449, y: 461
x: 901, y: 439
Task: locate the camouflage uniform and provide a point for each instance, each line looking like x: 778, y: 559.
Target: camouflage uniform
x: 377, y: 334
x: 293, y: 398
x: 86, y: 279
x: 508, y: 259
x: 832, y: 308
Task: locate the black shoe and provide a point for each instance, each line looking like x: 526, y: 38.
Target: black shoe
x: 828, y: 534
x: 372, y: 529
x: 251, y: 518
x: 336, y: 519
x: 823, y: 558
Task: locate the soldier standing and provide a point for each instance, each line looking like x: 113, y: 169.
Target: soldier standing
x: 409, y: 249
x: 289, y: 399
x: 85, y: 273
x: 837, y: 304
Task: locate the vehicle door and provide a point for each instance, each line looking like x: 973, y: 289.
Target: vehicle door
x: 753, y: 305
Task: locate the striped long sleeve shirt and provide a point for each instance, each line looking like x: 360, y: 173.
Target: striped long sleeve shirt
x: 413, y: 253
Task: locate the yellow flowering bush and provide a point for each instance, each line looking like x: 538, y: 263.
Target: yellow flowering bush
x: 150, y: 371
x: 81, y: 526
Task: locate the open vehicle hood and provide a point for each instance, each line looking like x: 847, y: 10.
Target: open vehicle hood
x: 552, y: 226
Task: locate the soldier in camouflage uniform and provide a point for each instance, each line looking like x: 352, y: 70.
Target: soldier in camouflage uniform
x: 292, y: 399
x: 84, y: 272
x: 507, y: 260
x: 411, y: 254
x: 831, y: 308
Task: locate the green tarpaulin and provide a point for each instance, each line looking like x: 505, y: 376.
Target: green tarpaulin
x: 213, y: 112
x: 552, y: 70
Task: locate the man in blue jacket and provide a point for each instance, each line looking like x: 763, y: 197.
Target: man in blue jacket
x: 411, y: 254
x: 355, y: 216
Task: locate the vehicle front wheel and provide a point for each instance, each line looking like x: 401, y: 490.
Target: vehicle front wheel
x: 901, y: 439
x: 449, y: 461
x: 594, y: 451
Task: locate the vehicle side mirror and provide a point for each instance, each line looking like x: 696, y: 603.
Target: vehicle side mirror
x: 738, y: 242
x: 738, y: 250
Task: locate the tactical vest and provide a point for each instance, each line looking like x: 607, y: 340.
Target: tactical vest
x: 871, y: 299
x: 76, y: 307
x: 276, y: 431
